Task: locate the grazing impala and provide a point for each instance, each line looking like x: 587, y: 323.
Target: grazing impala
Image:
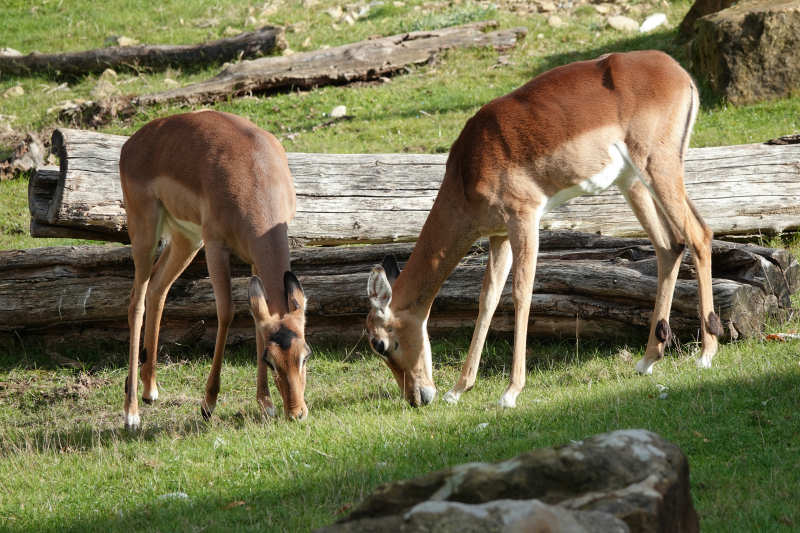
x: 215, y: 179
x: 576, y: 129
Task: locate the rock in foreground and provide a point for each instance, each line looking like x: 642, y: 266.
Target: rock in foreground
x: 628, y: 480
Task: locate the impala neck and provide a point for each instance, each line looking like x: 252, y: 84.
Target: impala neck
x: 445, y: 238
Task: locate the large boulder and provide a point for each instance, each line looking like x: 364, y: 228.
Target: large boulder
x: 749, y: 52
x: 628, y: 480
x: 700, y: 8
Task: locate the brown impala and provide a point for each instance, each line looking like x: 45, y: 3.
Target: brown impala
x: 214, y: 179
x: 576, y: 129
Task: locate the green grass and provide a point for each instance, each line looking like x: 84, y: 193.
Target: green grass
x: 66, y: 464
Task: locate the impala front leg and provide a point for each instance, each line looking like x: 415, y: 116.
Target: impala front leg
x: 523, y: 232
x: 494, y: 280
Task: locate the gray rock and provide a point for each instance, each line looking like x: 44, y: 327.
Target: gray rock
x: 699, y: 9
x: 749, y: 52
x: 631, y: 475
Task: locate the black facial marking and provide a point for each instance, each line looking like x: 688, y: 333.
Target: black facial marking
x: 663, y: 331
x: 713, y: 324
x: 283, y: 337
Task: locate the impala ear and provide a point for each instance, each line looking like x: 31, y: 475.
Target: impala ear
x: 258, y: 300
x: 295, y: 297
x: 390, y: 267
x: 379, y: 290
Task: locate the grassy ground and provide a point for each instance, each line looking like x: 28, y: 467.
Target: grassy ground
x: 65, y: 463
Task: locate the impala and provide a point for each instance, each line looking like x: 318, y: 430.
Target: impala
x: 214, y: 179
x: 621, y: 119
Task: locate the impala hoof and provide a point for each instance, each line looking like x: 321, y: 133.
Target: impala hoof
x: 704, y: 361
x: 132, y: 422
x: 645, y: 368
x: 206, y: 411
x: 270, y: 410
x: 451, y: 397
x: 508, y: 400
x: 153, y: 396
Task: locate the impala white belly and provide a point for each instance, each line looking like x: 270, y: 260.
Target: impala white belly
x: 619, y: 171
x: 190, y: 230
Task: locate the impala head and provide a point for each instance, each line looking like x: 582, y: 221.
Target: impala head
x: 399, y: 337
x: 285, y: 350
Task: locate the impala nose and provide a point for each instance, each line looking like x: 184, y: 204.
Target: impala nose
x: 378, y: 345
x: 427, y: 394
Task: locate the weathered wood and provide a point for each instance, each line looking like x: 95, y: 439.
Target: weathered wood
x: 248, y: 44
x: 741, y: 190
x: 595, y: 286
x: 364, y: 60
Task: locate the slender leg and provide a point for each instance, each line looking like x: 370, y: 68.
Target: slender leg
x: 219, y: 270
x: 494, y: 280
x: 173, y: 261
x: 669, y: 251
x: 699, y: 236
x: 144, y: 229
x: 523, y: 233
x: 682, y: 214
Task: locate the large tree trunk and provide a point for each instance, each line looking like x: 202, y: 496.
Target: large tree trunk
x: 364, y: 60
x: 741, y: 191
x: 586, y: 284
x: 247, y: 44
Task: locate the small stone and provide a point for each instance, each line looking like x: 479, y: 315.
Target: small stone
x: 547, y: 6
x: 11, y: 92
x: 335, y: 12
x: 230, y: 31
x: 250, y: 21
x: 306, y: 43
x: 169, y: 82
x: 603, y: 9
x: 126, y: 41
x: 652, y: 22
x: 555, y: 21
x: 108, y: 74
x: 397, y: 3
x: 287, y: 52
x: 623, y: 23
x: 349, y: 20
x: 338, y: 111
x: 9, y: 52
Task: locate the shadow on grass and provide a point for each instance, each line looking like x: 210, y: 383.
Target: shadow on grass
x: 737, y: 433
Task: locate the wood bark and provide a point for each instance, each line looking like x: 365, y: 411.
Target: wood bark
x: 741, y: 191
x: 588, y: 285
x: 248, y: 44
x: 364, y: 60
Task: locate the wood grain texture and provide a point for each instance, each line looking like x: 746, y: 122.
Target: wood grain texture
x: 248, y: 44
x: 595, y: 286
x: 743, y: 190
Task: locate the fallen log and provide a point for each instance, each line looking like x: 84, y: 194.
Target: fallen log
x: 741, y: 191
x: 586, y: 285
x: 364, y: 60
x: 248, y: 44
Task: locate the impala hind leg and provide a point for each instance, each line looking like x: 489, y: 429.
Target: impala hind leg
x: 219, y: 270
x: 523, y: 233
x: 494, y: 280
x: 680, y: 212
x: 145, y: 230
x: 176, y: 256
x: 669, y: 252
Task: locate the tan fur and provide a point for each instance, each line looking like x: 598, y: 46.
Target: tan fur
x: 216, y: 179
x: 524, y: 152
